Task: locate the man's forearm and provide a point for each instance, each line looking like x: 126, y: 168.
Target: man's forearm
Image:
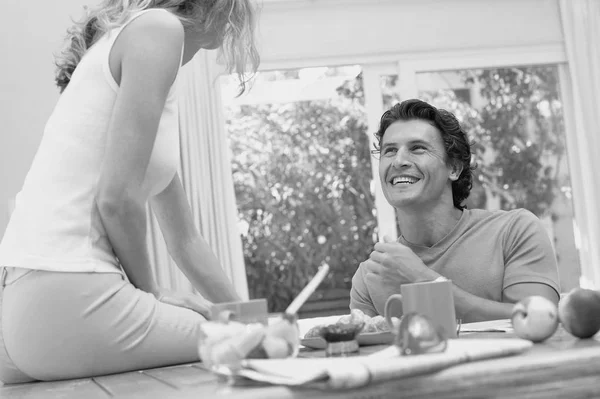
x: 202, y: 268
x: 471, y: 308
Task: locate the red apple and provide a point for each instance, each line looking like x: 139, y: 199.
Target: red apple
x: 579, y: 312
x: 535, y: 318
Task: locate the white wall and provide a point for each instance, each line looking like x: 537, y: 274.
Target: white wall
x: 29, y: 34
x: 296, y: 33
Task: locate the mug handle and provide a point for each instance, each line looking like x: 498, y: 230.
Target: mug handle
x: 386, y: 310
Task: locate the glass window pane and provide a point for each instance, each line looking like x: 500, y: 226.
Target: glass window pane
x: 514, y: 116
x: 302, y: 175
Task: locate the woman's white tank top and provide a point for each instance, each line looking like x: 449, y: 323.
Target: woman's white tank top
x: 55, y: 225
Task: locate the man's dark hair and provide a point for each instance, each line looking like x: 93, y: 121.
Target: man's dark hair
x: 458, y: 149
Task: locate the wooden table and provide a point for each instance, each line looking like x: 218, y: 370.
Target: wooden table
x: 563, y: 367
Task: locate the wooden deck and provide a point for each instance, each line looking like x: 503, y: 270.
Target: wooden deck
x: 563, y: 366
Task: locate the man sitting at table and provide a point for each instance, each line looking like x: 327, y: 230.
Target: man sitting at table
x: 493, y: 258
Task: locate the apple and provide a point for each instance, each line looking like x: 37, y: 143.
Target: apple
x: 276, y: 347
x: 579, y: 312
x: 534, y: 318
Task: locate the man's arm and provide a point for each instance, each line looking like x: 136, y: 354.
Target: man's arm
x: 471, y: 308
x: 392, y: 264
x: 359, y: 296
x: 530, y: 261
x: 530, y: 269
x: 187, y: 247
x: 516, y: 292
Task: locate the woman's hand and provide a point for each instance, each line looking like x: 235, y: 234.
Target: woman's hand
x: 186, y: 300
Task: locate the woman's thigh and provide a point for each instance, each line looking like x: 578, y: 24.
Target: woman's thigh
x: 73, y: 325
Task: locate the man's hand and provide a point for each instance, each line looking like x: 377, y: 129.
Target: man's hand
x: 389, y: 266
x: 186, y: 300
x: 396, y: 264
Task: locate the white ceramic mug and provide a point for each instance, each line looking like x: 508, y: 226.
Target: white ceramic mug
x: 433, y: 299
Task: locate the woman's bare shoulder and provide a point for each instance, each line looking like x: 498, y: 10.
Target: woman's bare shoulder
x: 154, y: 27
x: 152, y: 41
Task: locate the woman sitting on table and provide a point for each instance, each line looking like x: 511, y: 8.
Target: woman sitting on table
x: 78, y: 297
x: 493, y: 258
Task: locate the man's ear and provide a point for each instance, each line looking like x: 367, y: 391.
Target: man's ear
x: 456, y: 170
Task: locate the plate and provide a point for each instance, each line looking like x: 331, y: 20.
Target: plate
x: 365, y: 339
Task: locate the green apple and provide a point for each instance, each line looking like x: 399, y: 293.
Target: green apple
x: 534, y: 318
x: 579, y: 312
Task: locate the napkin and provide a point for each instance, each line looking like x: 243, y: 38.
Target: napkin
x: 503, y: 325
x: 353, y: 372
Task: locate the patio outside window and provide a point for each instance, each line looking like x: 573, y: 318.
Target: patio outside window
x: 303, y: 180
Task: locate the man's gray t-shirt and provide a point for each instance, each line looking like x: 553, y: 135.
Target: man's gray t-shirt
x: 486, y: 252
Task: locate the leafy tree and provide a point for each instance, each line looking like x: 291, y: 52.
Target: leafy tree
x: 302, y: 175
x: 523, y: 115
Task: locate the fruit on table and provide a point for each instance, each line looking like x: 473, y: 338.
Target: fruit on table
x: 579, y: 312
x: 227, y: 344
x: 275, y: 348
x: 282, y: 339
x: 535, y: 318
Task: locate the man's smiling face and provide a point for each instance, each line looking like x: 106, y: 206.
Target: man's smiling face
x: 412, y: 165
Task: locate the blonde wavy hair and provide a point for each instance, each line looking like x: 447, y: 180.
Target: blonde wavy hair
x: 233, y: 20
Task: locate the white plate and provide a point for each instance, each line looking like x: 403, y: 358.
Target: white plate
x: 364, y: 339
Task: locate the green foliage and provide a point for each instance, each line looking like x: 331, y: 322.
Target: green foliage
x: 523, y: 116
x: 302, y: 175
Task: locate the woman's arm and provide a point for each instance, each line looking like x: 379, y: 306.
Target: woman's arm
x: 144, y: 60
x: 187, y: 248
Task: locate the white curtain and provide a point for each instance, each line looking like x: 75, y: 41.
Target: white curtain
x: 206, y: 176
x: 581, y: 28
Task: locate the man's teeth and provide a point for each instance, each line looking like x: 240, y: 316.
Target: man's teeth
x: 404, y: 180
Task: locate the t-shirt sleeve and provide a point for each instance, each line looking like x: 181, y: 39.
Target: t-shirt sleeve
x: 528, y: 252
x: 359, y: 295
